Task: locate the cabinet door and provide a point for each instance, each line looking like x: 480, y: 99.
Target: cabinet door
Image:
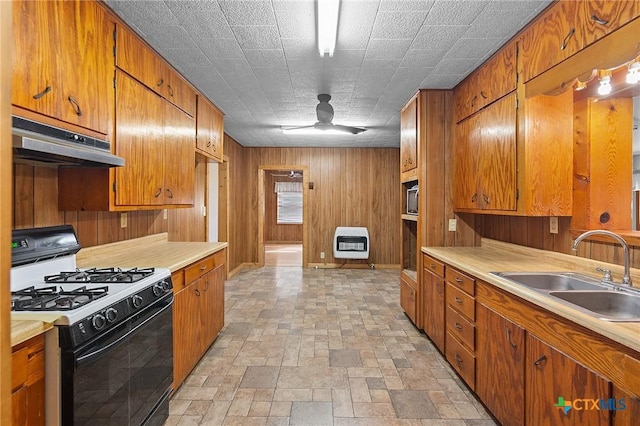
x: 466, y: 163
x: 86, y: 65
x: 599, y: 18
x: 219, y: 277
x: 555, y: 382
x: 133, y: 57
x: 217, y: 134
x: 186, y: 338
x: 36, y: 83
x: 433, y: 307
x: 500, y: 365
x: 179, y: 93
x: 629, y: 415
x: 409, y: 136
x: 19, y: 407
x: 408, y: 299
x: 179, y: 156
x: 497, y: 172
x: 139, y: 140
x: 552, y: 38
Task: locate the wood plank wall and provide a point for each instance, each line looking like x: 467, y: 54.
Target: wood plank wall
x: 35, y: 197
x: 352, y: 187
x: 273, y: 232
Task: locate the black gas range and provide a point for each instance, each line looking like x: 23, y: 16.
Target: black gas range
x: 114, y: 325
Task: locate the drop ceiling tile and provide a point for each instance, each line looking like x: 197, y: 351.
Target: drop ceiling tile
x: 438, y: 37
x: 455, y: 66
x: 379, y: 67
x: 297, y: 23
x: 421, y: 58
x: 204, y: 23
x: 396, y: 25
x: 220, y: 48
x: 406, y: 5
x: 345, y: 58
x: 441, y: 81
x: 353, y: 36
x: 266, y: 58
x: 171, y: 37
x: 231, y: 66
x: 357, y: 12
x: 494, y: 23
x: 257, y: 37
x: 476, y: 48
x: 300, y: 48
x: 283, y: 96
x: 192, y: 56
x: 455, y: 12
x: 387, y: 49
x: 254, y: 12
x: 518, y: 5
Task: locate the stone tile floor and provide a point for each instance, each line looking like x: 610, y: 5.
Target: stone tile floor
x: 321, y: 347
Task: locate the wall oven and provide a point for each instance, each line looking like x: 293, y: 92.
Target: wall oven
x: 112, y: 363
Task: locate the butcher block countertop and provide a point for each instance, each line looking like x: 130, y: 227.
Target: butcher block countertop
x: 495, y: 256
x: 23, y: 330
x: 151, y: 251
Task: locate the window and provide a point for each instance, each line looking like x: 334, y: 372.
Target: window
x: 289, y: 208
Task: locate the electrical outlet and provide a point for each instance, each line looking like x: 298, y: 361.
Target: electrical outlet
x: 123, y: 220
x: 453, y: 225
x: 165, y: 214
x: 321, y: 255
x: 553, y: 224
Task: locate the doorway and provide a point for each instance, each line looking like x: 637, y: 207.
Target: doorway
x: 282, y: 215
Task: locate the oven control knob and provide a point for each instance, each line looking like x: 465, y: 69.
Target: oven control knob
x: 137, y: 301
x: 111, y: 314
x: 99, y: 321
x: 166, y: 285
x: 158, y: 290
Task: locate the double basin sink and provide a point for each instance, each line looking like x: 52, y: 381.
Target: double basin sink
x: 598, y: 299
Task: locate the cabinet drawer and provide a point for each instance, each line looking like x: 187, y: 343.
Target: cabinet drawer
x: 463, y: 361
x: 219, y: 258
x: 461, y: 328
x: 461, y: 301
x: 433, y: 265
x: 19, y: 367
x: 198, y: 269
x: 461, y: 281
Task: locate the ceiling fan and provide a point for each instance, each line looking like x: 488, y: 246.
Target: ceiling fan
x: 291, y: 175
x: 324, y: 112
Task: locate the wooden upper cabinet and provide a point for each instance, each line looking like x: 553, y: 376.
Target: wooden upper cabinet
x: 156, y: 140
x: 494, y: 79
x: 409, y: 136
x: 485, y: 159
x: 210, y: 130
x: 63, y: 62
x: 138, y: 60
x: 600, y: 18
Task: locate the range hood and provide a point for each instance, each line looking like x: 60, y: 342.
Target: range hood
x: 38, y: 144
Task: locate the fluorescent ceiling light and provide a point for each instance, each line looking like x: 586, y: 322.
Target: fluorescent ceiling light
x: 327, y: 25
x: 311, y: 131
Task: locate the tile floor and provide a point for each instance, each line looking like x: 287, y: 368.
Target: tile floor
x: 283, y: 255
x: 321, y: 347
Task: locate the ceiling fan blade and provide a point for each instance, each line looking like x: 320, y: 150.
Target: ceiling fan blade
x: 287, y: 128
x: 349, y: 129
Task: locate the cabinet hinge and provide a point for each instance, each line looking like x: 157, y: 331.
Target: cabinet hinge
x: 114, y: 42
x: 114, y: 187
x: 517, y: 194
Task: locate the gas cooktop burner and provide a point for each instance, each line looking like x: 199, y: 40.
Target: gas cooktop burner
x: 50, y: 299
x: 101, y: 275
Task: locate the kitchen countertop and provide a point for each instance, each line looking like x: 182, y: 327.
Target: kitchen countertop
x: 495, y: 256
x: 151, y: 251
x: 23, y: 330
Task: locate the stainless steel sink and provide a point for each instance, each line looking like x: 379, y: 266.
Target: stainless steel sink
x: 553, y: 281
x: 606, y: 305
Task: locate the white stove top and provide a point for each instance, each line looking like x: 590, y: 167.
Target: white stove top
x: 32, y: 275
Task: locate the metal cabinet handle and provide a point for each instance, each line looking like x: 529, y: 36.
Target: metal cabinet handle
x: 170, y: 90
x: 483, y: 95
x: 170, y: 193
x: 432, y: 265
x: 208, y: 143
x: 197, y: 292
x: 458, y: 280
x: 158, y: 192
x: 458, y: 326
x: 458, y: 360
x: 540, y: 360
x: 597, y: 20
x: 571, y: 32
x: 473, y: 101
x: 474, y: 197
x: 75, y: 105
x: 458, y: 300
x: 486, y: 199
x: 160, y: 82
x: 203, y: 267
x: 409, y: 160
x: 41, y: 94
x: 513, y: 345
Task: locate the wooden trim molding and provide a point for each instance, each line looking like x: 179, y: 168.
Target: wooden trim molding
x: 631, y: 237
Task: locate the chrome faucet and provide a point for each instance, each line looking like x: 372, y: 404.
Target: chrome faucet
x: 626, y: 279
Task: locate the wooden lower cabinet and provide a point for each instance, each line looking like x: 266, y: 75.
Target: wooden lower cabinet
x: 433, y: 307
x: 408, y: 298
x: 27, y: 382
x: 500, y: 365
x: 554, y: 379
x: 198, y: 313
x: 627, y: 411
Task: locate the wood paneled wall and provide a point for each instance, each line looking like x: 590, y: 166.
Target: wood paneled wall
x: 35, y: 194
x: 352, y: 187
x: 274, y: 232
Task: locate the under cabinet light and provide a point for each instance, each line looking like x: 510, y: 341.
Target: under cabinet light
x: 605, y: 85
x: 327, y: 25
x: 633, y: 73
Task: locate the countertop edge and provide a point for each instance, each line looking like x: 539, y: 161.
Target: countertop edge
x: 23, y: 329
x: 619, y: 332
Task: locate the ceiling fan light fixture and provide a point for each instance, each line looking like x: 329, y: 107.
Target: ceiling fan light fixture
x: 327, y: 13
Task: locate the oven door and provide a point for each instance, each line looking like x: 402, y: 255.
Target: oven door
x: 124, y: 375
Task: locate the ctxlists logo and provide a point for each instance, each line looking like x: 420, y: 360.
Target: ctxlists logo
x: 585, y: 404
